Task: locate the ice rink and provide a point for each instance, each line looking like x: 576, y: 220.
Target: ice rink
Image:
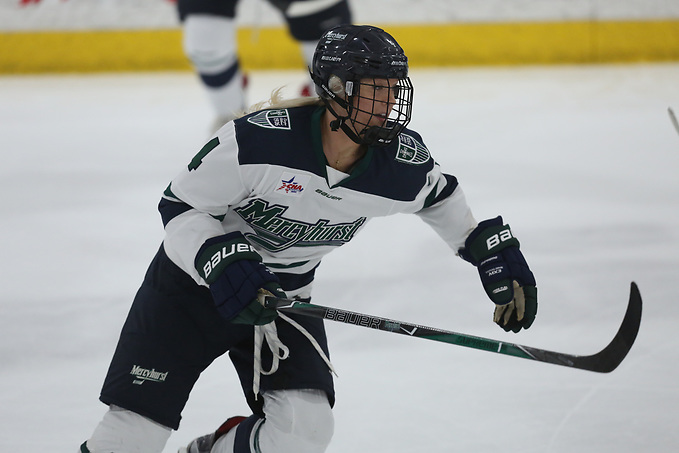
x: 582, y: 161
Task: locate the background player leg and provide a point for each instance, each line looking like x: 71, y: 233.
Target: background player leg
x: 308, y: 20
x: 210, y: 44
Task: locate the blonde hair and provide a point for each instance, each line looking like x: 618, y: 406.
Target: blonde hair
x: 276, y: 101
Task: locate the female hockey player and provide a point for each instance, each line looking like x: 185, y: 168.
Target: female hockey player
x: 254, y: 213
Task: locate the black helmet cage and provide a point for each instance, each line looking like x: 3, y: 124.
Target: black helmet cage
x: 352, y: 66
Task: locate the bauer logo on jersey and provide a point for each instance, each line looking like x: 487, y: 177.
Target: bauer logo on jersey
x: 271, y: 119
x: 411, y: 151
x: 292, y: 184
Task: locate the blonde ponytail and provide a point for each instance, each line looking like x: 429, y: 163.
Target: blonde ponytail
x: 276, y: 101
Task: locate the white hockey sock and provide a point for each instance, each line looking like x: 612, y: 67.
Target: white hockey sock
x: 297, y: 421
x: 210, y: 44
x: 123, y: 431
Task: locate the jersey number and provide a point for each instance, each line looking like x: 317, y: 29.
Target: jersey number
x: 198, y: 159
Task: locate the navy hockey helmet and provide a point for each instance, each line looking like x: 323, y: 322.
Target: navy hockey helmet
x: 354, y: 66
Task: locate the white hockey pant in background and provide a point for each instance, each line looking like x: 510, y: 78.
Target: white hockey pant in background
x: 297, y: 421
x: 123, y: 431
x: 210, y: 44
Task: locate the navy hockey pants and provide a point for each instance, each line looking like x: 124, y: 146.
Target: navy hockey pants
x: 173, y: 332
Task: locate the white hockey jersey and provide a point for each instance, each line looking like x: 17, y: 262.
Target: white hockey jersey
x: 266, y: 176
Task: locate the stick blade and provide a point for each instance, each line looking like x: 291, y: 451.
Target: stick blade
x: 612, y: 355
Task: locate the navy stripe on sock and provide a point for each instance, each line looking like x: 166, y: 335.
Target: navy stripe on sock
x: 221, y: 79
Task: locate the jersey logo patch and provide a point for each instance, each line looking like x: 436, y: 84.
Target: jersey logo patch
x: 410, y: 151
x: 271, y: 119
x: 292, y: 184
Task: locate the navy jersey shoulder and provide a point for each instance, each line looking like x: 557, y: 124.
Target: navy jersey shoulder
x: 291, y: 138
x: 278, y: 137
x: 398, y: 171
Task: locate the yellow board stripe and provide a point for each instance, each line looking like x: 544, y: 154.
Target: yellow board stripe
x: 547, y: 43
x: 426, y: 45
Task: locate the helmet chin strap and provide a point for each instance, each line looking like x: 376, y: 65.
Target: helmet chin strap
x: 345, y: 123
x: 337, y: 123
x: 340, y: 121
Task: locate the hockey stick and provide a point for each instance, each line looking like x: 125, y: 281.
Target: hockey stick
x: 673, y: 119
x: 603, y: 361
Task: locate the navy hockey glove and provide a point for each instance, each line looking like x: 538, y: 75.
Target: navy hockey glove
x: 235, y: 273
x: 504, y: 273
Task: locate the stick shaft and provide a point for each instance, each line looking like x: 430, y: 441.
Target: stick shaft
x: 604, y: 361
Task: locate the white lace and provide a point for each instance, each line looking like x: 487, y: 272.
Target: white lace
x: 269, y: 332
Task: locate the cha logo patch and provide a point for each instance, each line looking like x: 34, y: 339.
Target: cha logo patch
x: 411, y: 151
x: 292, y: 184
x: 271, y: 119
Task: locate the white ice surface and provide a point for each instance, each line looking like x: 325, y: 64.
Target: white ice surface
x: 582, y: 161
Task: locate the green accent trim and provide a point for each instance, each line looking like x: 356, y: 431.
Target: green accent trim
x: 484, y: 344
x: 431, y: 197
x: 256, y: 438
x: 168, y: 192
x: 359, y: 168
x: 83, y: 448
x: 286, y: 266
